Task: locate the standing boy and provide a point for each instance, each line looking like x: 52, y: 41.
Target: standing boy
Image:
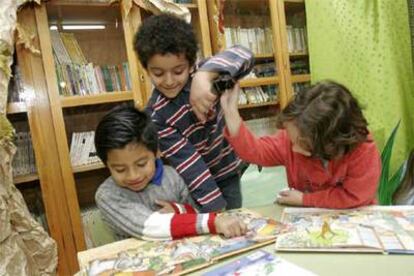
x: 143, y: 198
x: 167, y: 49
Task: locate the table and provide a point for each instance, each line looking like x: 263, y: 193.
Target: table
x: 337, y: 264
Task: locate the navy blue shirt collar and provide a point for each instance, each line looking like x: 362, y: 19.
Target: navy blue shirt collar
x: 159, y: 169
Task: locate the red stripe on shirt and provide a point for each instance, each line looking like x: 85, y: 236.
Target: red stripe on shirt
x: 183, y: 225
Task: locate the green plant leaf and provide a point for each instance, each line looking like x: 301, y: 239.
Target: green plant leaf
x: 386, y: 188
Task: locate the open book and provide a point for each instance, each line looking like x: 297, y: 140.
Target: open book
x: 385, y: 229
x: 259, y: 263
x: 178, y: 256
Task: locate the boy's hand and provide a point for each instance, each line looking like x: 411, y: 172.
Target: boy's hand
x: 166, y: 207
x: 290, y: 197
x: 230, y: 226
x: 201, y: 97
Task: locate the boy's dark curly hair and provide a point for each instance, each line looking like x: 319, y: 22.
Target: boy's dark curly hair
x: 123, y: 125
x: 329, y: 119
x: 163, y: 34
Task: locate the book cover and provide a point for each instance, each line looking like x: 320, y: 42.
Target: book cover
x: 382, y: 229
x: 178, y: 256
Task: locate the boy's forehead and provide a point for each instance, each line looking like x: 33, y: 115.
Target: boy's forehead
x: 131, y: 152
x: 167, y: 60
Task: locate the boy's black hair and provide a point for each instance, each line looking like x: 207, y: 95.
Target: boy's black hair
x: 123, y: 125
x: 163, y: 34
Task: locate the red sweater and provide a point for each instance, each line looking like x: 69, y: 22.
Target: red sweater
x: 348, y: 182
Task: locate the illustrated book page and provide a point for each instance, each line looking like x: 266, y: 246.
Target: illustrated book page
x: 178, y: 256
x: 259, y: 263
x: 369, y: 229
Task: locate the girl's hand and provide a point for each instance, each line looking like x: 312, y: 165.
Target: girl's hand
x: 290, y: 197
x: 230, y: 99
x: 229, y: 102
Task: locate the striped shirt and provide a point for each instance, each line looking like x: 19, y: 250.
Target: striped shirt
x: 199, y: 152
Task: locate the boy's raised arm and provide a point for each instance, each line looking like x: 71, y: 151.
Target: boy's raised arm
x: 236, y: 61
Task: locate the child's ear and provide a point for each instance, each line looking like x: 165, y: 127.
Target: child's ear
x: 192, y: 69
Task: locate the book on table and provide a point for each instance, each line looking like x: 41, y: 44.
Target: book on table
x: 382, y: 229
x: 178, y: 256
x: 259, y: 263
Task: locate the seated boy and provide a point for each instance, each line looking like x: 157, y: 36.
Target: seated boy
x: 167, y: 48
x: 135, y: 198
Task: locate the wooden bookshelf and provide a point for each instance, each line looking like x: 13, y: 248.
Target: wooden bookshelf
x: 107, y: 97
x: 20, y: 179
x: 301, y: 78
x: 298, y: 54
x: 264, y: 56
x: 89, y: 167
x: 258, y: 82
x: 294, y: 1
x: 247, y: 106
x: 79, y: 3
x: 54, y: 118
x: 189, y: 5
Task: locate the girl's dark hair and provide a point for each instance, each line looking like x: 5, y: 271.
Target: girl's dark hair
x: 121, y: 126
x: 164, y: 34
x: 329, y: 119
x: 407, y: 182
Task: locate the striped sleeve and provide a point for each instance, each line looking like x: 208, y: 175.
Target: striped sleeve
x: 175, y: 226
x: 184, y: 157
x: 236, y: 61
x: 183, y: 208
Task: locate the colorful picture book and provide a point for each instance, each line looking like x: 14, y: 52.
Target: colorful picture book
x: 178, y: 256
x: 259, y: 263
x: 384, y: 229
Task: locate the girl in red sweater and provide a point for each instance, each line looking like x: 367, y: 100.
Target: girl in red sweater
x: 331, y: 160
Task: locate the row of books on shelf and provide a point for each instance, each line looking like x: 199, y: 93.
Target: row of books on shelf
x: 300, y: 86
x: 267, y: 69
x: 259, y: 40
x: 24, y: 160
x: 77, y: 76
x: 297, y: 39
x: 299, y: 66
x: 258, y: 94
x: 82, y: 149
x: 89, y: 79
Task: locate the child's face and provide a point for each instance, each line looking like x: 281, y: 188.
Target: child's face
x: 298, y: 143
x: 169, y: 73
x: 132, y: 167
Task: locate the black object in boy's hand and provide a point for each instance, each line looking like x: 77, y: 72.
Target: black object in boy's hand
x: 223, y: 83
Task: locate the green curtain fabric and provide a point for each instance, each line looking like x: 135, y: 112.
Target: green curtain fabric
x: 365, y: 44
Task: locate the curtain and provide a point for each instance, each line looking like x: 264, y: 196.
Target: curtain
x: 366, y: 45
